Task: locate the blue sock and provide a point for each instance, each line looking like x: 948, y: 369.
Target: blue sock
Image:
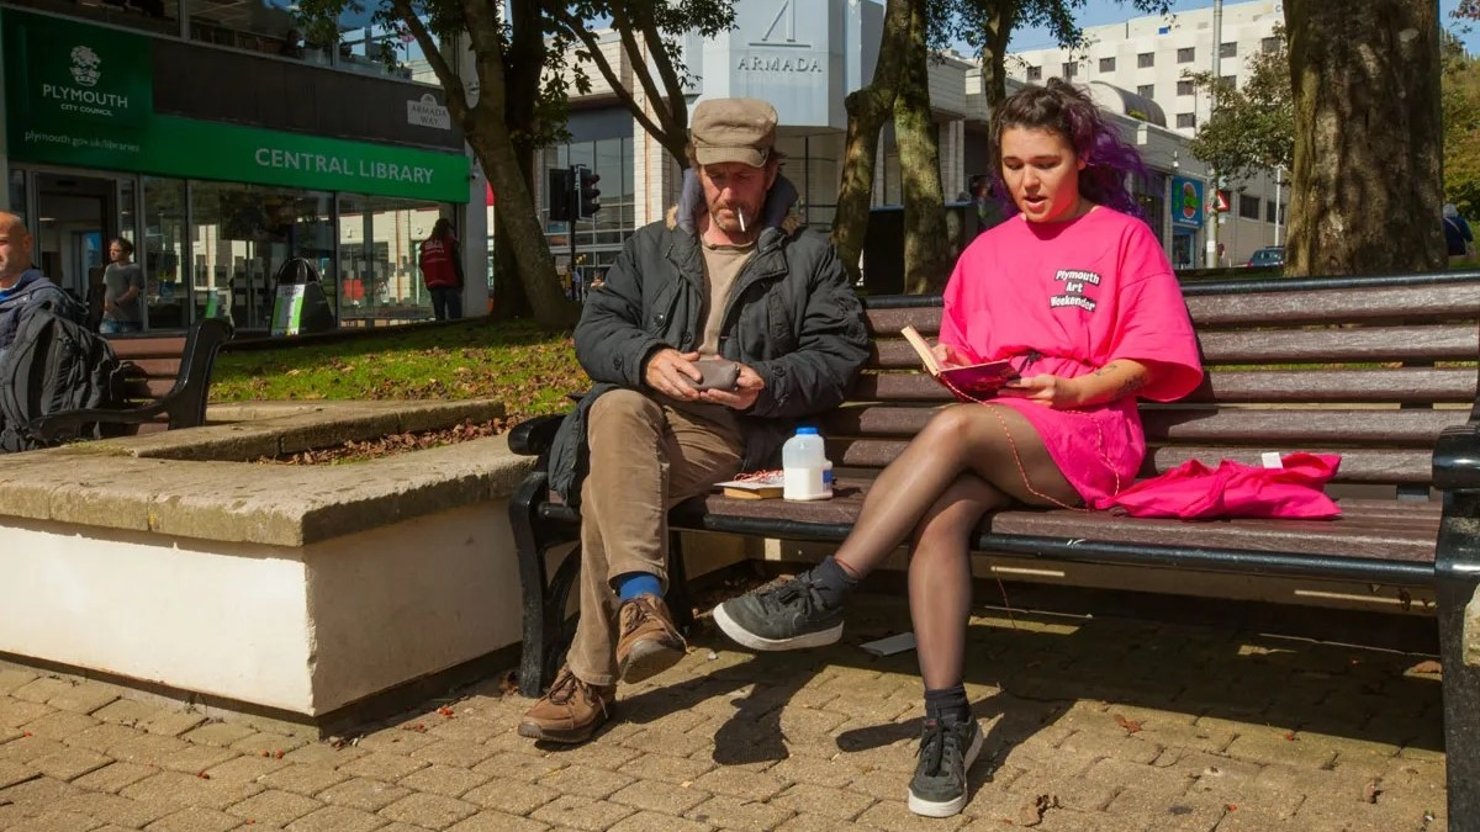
x: 632, y: 584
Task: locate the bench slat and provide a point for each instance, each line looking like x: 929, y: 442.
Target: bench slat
x: 1448, y: 342
x: 1454, y: 301
x: 1419, y: 428
x: 1406, y: 385
x: 133, y: 349
x: 158, y: 367
x: 1363, y: 530
x: 1358, y: 465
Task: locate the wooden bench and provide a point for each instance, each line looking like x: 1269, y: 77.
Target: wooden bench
x: 167, y: 389
x: 1378, y: 369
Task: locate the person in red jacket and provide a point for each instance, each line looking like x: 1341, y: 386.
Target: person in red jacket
x: 441, y: 268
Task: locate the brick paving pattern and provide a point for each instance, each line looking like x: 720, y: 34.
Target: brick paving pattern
x: 1093, y: 725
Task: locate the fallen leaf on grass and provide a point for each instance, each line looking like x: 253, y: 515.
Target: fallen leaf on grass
x: 1290, y: 735
x: 1371, y: 791
x: 1429, y: 666
x: 1131, y: 726
x: 1032, y: 813
x: 447, y: 712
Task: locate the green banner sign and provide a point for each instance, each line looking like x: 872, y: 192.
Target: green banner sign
x: 60, y: 72
x: 81, y: 96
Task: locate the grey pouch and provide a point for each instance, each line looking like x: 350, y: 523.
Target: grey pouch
x: 719, y: 374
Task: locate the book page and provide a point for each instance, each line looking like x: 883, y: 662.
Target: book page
x: 927, y: 358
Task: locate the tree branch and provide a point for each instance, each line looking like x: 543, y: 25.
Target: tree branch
x: 622, y: 24
x: 452, y: 86
x: 607, y: 71
x: 677, y: 106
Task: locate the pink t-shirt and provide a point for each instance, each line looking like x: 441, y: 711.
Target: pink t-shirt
x: 1080, y: 294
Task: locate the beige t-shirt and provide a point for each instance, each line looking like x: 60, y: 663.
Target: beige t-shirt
x: 722, y: 264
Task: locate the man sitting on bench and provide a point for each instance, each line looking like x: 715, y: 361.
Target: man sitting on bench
x: 731, y: 277
x: 22, y: 288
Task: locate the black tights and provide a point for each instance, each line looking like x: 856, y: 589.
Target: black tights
x: 961, y: 466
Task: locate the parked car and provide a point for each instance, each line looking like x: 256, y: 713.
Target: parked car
x: 1268, y: 256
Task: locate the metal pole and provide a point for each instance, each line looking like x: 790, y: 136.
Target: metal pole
x: 1279, y: 181
x: 575, y: 211
x: 1212, y: 253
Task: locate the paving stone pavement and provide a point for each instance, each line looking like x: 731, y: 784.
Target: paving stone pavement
x: 1093, y: 725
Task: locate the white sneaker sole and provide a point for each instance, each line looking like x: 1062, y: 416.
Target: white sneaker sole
x: 945, y: 809
x: 746, y: 638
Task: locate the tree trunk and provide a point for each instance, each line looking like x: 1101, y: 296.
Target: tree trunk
x: 927, y: 254
x: 868, y: 108
x: 509, y: 299
x: 1368, y: 175
x: 1000, y: 21
x: 521, y: 75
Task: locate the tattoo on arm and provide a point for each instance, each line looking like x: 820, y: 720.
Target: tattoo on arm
x: 1105, y: 370
x: 1130, y: 386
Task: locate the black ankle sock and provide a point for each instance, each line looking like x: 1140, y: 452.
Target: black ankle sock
x: 833, y: 582
x: 947, y: 704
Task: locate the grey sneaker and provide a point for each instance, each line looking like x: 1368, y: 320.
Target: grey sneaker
x: 947, y: 751
x: 786, y: 616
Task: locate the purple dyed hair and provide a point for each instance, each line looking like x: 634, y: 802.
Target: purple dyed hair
x: 1062, y: 108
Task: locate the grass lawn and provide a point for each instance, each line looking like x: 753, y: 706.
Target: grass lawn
x: 529, y: 369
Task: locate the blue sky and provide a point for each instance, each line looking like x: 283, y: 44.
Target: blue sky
x: 1098, y: 12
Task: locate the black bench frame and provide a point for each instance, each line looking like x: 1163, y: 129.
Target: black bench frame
x: 184, y: 404
x: 540, y: 525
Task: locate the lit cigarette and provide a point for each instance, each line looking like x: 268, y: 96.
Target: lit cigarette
x: 741, y: 214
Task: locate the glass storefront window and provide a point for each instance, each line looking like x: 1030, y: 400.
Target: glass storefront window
x: 242, y: 235
x: 368, y: 45
x: 18, y: 196
x: 163, y: 253
x: 161, y: 17
x: 266, y: 26
x: 379, y: 280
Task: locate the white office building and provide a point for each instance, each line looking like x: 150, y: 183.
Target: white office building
x: 1150, y: 56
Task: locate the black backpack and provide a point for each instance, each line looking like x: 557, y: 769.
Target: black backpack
x: 54, y: 364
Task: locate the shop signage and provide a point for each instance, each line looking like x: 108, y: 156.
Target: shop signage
x: 59, y: 71
x: 426, y: 112
x: 1187, y: 202
x: 95, y: 110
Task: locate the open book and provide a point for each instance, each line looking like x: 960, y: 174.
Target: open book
x: 972, y: 380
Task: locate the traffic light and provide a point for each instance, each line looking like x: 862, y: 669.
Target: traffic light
x: 590, y: 199
x: 561, y: 187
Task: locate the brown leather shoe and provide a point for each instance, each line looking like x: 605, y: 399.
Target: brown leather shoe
x: 649, y: 644
x: 569, y: 712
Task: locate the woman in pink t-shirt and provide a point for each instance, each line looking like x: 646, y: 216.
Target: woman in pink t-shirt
x: 1076, y: 291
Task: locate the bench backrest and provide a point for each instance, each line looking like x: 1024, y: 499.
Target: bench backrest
x: 163, y: 369
x: 1372, y: 368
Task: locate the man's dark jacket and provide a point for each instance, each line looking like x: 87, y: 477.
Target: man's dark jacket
x: 792, y: 316
x: 32, y: 290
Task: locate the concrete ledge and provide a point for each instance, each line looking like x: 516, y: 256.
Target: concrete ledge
x: 295, y: 590
x: 177, y: 483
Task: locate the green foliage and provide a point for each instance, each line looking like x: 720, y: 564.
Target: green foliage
x: 1253, y: 127
x: 1461, y: 102
x: 527, y: 368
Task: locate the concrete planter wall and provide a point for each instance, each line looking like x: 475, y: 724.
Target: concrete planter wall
x: 295, y: 590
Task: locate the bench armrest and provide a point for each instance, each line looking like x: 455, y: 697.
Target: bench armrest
x: 534, y: 436
x: 53, y: 425
x: 1457, y: 458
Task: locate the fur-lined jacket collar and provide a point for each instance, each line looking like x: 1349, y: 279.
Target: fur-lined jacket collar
x: 779, y: 211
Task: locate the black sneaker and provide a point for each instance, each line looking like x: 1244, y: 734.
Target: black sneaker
x: 947, y: 751
x: 787, y: 616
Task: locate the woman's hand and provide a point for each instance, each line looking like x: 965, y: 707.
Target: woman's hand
x: 1048, y: 390
x: 949, y: 356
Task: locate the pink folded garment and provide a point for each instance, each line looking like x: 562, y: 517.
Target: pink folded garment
x: 1193, y: 491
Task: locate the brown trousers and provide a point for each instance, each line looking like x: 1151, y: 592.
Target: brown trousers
x: 646, y: 457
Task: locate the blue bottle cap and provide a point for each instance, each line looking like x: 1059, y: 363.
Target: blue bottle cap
x: 806, y: 431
